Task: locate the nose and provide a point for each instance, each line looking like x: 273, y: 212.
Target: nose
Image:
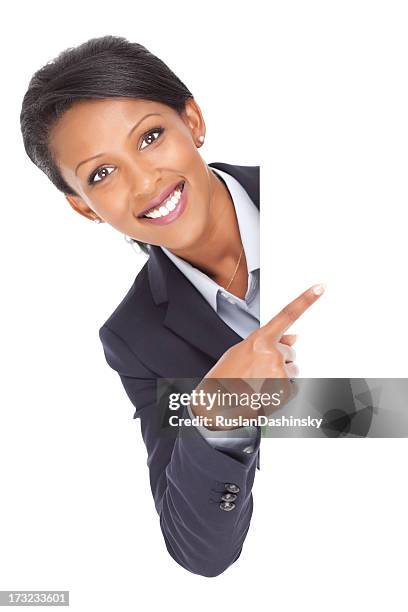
x: 144, y: 179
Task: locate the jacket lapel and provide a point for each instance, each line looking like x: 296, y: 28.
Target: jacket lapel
x: 188, y: 314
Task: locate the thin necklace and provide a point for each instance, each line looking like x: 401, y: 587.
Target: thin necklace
x: 239, y: 260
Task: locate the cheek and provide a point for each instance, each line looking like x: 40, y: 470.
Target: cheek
x: 178, y: 153
x: 182, y: 157
x: 112, y: 208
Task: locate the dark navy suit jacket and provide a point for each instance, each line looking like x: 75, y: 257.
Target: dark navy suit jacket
x: 164, y: 328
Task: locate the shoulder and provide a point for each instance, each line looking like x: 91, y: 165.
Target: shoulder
x: 250, y: 171
x: 138, y: 291
x: 248, y: 176
x: 135, y: 314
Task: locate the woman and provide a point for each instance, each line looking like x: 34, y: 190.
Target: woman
x: 118, y: 133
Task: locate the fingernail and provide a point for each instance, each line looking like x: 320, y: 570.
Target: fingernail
x: 318, y: 289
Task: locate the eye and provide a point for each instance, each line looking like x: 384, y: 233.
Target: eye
x: 148, y: 137
x: 99, y: 173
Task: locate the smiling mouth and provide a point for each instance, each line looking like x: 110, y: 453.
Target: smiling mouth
x: 167, y: 206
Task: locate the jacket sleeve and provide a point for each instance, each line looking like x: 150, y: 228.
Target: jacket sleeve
x: 203, y: 495
x: 224, y: 440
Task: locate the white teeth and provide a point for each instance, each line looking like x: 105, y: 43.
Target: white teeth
x: 167, y: 207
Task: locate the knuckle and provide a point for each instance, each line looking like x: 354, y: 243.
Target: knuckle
x: 288, y: 352
x: 278, y: 360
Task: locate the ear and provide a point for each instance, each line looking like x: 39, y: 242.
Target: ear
x: 193, y: 118
x: 81, y: 207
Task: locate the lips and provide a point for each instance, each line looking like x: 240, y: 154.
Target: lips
x: 160, y: 198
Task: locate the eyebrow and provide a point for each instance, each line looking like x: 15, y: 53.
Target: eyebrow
x: 128, y: 136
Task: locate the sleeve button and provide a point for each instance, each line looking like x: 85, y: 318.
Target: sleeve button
x: 229, y: 497
x: 231, y: 487
x: 227, y: 506
x: 249, y: 450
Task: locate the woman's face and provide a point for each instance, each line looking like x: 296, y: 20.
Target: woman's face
x: 119, y: 154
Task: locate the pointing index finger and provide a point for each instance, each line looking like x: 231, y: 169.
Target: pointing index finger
x: 290, y: 313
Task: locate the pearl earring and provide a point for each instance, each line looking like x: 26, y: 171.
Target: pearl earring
x: 96, y: 220
x: 201, y: 139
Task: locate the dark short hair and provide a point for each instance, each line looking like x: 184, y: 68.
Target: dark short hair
x: 100, y: 68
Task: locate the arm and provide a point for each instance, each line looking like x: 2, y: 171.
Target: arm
x: 203, y: 532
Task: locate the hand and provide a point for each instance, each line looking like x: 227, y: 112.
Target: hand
x: 265, y: 354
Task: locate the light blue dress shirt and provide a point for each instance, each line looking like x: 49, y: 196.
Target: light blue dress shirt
x: 242, y: 315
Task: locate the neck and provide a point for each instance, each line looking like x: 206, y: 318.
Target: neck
x: 218, y: 250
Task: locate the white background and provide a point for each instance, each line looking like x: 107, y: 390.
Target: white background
x: 316, y: 93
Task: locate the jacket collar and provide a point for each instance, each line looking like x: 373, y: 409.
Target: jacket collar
x: 188, y: 314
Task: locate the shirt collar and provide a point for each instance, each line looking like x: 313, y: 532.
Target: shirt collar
x: 248, y: 223
x: 248, y: 219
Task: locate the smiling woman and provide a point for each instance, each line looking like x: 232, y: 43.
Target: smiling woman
x: 137, y: 153
x: 118, y: 133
